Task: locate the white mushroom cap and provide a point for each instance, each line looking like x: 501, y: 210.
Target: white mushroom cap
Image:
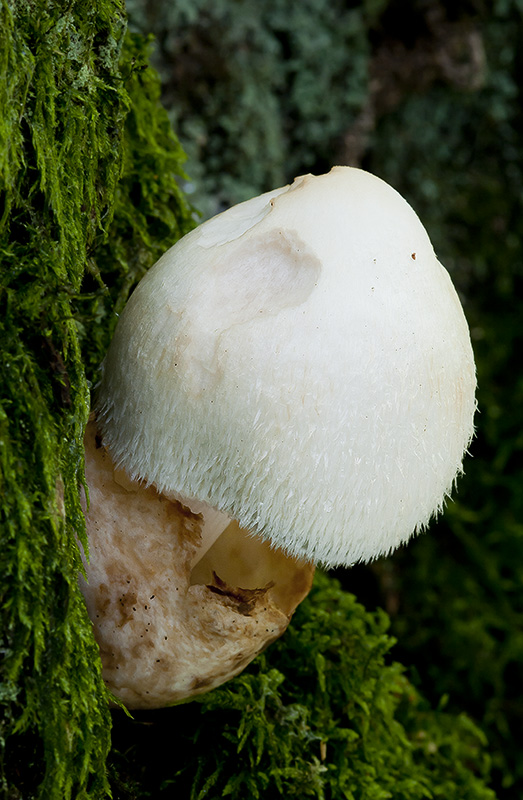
x: 302, y: 363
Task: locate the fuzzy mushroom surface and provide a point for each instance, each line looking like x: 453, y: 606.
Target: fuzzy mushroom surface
x: 300, y: 365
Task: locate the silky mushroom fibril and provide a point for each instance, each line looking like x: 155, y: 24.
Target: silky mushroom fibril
x: 301, y: 364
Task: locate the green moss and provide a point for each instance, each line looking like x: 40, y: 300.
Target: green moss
x: 323, y: 714
x: 150, y: 211
x: 77, y: 124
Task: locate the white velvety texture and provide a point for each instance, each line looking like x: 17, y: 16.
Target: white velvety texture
x: 301, y: 362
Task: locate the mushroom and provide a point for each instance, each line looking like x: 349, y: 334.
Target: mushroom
x: 292, y: 383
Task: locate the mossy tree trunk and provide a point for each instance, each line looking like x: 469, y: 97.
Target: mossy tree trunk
x: 89, y: 199
x: 80, y: 131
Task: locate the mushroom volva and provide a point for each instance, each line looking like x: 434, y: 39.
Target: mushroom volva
x: 292, y: 383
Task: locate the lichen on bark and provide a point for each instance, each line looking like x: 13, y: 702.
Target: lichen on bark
x: 84, y: 147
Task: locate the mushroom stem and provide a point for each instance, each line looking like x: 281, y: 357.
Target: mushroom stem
x: 213, y: 522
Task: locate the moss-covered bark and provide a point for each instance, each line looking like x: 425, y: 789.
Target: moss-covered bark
x: 88, y: 168
x: 80, y: 129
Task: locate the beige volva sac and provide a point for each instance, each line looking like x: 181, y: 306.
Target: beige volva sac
x: 291, y: 383
x: 169, y: 624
